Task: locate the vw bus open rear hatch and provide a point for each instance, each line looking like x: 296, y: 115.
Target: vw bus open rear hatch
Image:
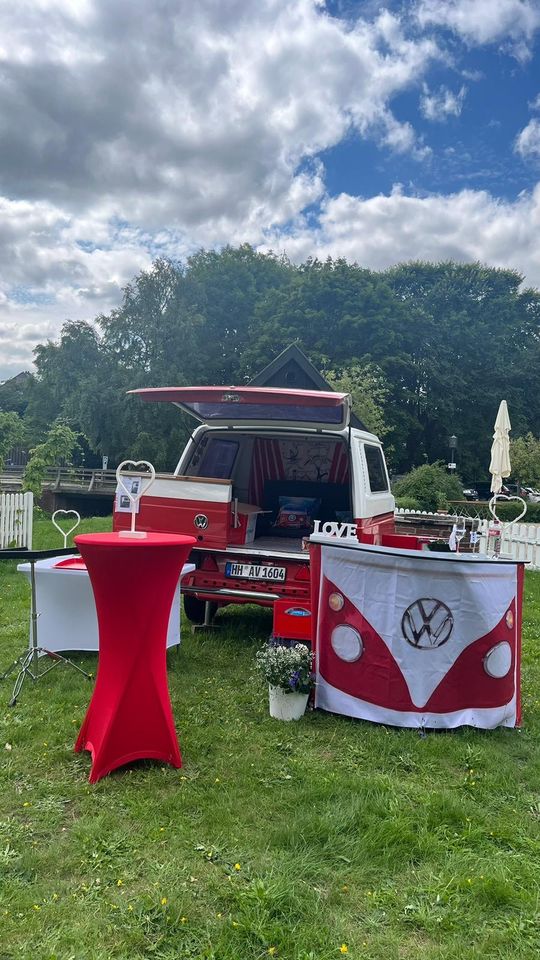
x: 257, y: 406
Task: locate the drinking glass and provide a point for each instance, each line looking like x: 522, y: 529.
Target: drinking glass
x: 460, y: 531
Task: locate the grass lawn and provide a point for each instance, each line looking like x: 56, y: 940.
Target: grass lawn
x: 303, y: 841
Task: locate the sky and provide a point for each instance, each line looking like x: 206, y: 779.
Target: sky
x: 379, y: 132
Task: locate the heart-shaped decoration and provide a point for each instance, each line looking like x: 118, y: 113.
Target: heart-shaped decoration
x: 142, y: 488
x: 504, y: 496
x: 66, y: 513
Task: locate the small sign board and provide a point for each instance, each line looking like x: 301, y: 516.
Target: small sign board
x: 123, y: 503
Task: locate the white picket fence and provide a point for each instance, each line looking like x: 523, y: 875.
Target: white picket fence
x: 16, y: 513
x: 521, y: 541
x: 401, y: 512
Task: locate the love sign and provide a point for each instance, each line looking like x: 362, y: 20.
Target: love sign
x: 333, y: 529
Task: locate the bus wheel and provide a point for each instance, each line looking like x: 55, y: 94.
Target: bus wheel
x: 194, y: 609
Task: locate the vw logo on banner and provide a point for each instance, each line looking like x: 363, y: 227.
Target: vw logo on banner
x: 201, y: 521
x: 427, y: 623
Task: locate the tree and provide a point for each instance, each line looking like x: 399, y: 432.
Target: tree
x: 59, y: 446
x: 467, y: 327
x: 445, y: 341
x: 369, y: 392
x: 525, y: 460
x: 337, y: 313
x: 11, y: 434
x: 15, y: 393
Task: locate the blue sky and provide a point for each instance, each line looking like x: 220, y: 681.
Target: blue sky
x: 473, y: 148
x: 371, y: 131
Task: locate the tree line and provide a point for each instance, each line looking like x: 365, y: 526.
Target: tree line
x: 426, y: 349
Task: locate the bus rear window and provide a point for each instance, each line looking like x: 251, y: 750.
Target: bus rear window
x: 376, y: 471
x: 218, y: 459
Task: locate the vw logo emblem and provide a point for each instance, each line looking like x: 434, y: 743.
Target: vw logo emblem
x: 201, y: 521
x: 427, y: 623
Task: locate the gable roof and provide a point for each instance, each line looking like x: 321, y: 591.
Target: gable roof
x: 293, y: 370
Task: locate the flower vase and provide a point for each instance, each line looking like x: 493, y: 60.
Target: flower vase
x: 287, y: 706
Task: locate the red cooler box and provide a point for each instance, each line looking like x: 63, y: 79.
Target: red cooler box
x: 292, y: 621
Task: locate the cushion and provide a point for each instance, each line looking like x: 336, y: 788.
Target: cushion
x: 296, y: 513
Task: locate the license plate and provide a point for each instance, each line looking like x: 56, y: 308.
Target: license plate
x: 255, y: 571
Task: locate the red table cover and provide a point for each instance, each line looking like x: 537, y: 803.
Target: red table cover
x: 130, y: 715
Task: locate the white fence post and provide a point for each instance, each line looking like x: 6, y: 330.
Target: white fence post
x: 16, y: 515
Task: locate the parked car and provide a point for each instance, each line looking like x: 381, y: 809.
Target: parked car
x: 514, y: 490
x: 470, y: 493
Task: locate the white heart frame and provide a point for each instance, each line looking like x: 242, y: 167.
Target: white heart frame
x: 504, y: 496
x: 71, y: 529
x: 134, y: 498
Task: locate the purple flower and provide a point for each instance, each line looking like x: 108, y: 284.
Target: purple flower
x: 293, y: 681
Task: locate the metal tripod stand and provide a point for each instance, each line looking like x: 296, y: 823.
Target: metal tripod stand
x: 28, y: 664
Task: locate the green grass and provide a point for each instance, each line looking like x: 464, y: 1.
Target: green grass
x: 399, y: 846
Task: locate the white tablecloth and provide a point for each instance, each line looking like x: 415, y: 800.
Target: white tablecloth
x: 66, y: 610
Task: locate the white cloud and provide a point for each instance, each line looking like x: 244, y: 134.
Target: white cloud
x: 197, y: 113
x: 130, y: 129
x: 198, y: 123
x: 442, y: 103
x: 528, y: 141
x: 54, y: 268
x: 384, y: 230
x: 485, y: 21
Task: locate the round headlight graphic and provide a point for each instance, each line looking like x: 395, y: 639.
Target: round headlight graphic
x: 347, y: 643
x: 335, y: 602
x: 499, y: 660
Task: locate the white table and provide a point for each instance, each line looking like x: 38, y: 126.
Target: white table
x: 66, y: 609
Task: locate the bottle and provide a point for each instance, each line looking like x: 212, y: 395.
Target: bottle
x: 494, y: 538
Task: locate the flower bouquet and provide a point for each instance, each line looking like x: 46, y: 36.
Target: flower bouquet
x: 288, y: 670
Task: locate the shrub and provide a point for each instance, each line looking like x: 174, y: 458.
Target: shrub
x: 505, y: 511
x: 407, y: 503
x: 431, y: 486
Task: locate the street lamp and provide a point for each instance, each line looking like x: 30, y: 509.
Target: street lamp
x: 452, y: 443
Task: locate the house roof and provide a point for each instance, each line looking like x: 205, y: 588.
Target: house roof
x: 292, y: 369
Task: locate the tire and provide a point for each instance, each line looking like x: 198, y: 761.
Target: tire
x: 194, y: 609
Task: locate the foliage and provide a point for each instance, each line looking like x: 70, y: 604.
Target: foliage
x: 430, y: 485
x: 11, y: 433
x: 525, y: 460
x: 369, y: 392
x: 14, y: 393
x: 287, y: 667
x: 467, y: 326
x: 417, y: 344
x: 395, y: 844
x: 58, y: 448
x: 505, y: 511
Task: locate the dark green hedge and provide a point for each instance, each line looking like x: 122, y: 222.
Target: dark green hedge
x: 506, y: 511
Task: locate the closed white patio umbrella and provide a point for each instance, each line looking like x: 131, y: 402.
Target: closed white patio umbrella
x: 499, y: 466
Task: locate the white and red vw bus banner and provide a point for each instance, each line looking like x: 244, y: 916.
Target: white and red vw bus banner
x: 416, y: 639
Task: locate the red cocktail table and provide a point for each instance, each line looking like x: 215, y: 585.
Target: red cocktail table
x: 130, y: 715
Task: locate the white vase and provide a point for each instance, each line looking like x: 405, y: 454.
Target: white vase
x: 287, y: 706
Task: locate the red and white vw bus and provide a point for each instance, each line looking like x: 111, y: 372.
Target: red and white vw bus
x: 261, y: 469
